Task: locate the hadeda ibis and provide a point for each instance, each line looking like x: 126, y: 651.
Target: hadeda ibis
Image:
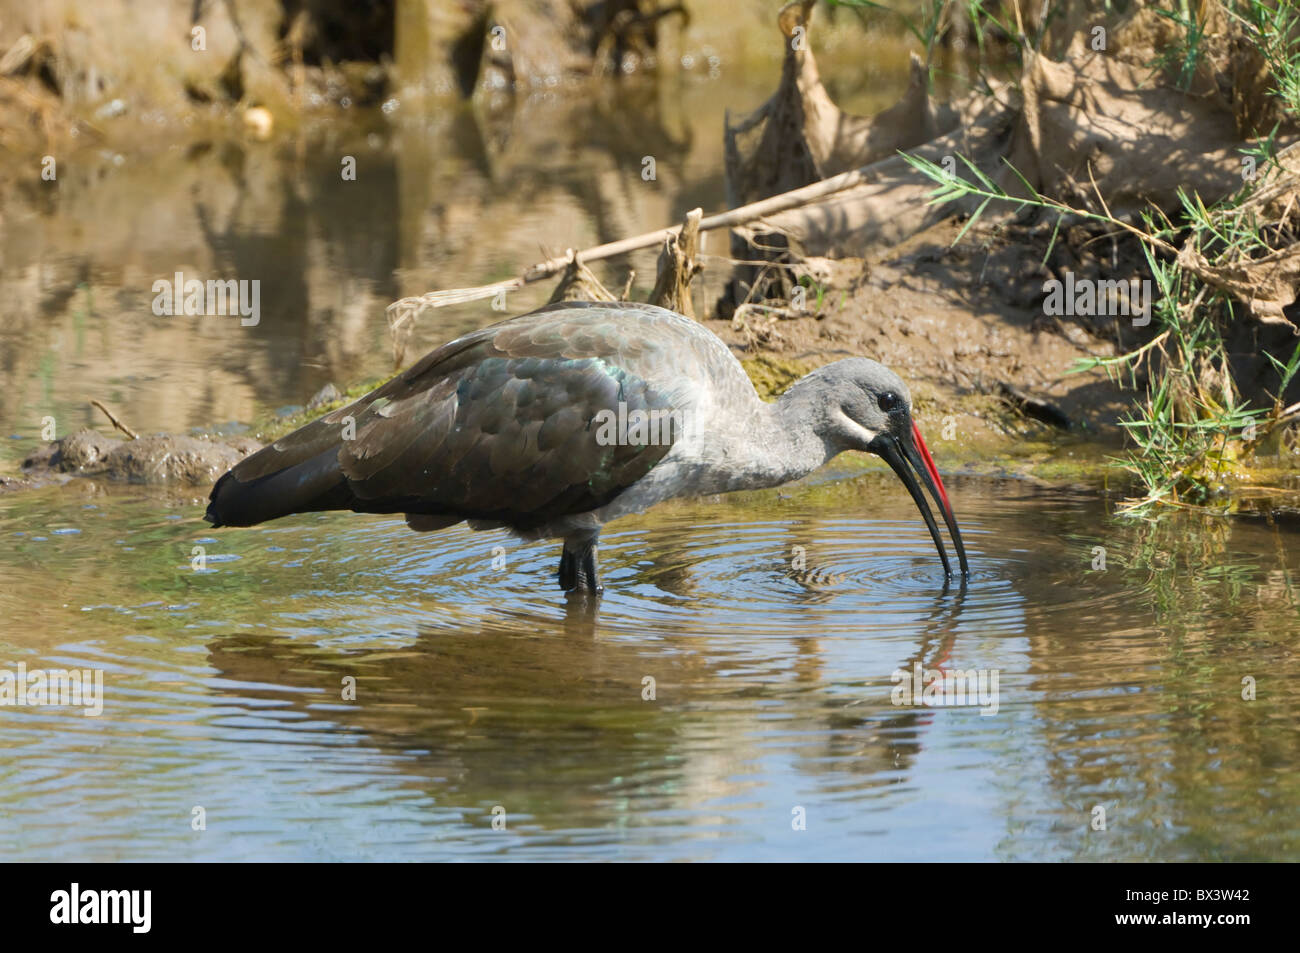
x: 553, y: 423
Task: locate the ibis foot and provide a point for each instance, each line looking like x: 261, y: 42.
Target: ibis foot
x: 578, y: 565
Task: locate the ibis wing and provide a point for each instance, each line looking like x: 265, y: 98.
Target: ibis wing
x: 504, y: 424
x: 518, y: 440
x: 501, y: 424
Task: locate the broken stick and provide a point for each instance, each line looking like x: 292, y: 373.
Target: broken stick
x: 728, y: 219
x: 114, y: 421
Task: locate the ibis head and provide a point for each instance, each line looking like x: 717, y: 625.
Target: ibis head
x: 859, y: 404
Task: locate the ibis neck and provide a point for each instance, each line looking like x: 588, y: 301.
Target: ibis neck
x: 776, y: 443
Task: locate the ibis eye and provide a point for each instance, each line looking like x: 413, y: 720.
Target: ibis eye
x: 889, y: 401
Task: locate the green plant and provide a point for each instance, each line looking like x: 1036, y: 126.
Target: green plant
x: 1182, y: 57
x: 1191, y: 429
x: 1274, y: 29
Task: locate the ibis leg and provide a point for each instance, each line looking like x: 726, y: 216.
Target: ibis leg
x: 578, y: 565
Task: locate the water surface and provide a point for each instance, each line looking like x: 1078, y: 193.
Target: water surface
x: 480, y: 686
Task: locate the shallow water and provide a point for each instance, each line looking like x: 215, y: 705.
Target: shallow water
x: 478, y: 685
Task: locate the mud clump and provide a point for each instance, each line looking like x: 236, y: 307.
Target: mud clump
x: 159, y: 460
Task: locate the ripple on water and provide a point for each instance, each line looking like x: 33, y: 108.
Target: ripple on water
x: 673, y: 573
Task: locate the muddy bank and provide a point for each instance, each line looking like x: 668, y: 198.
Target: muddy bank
x: 962, y: 324
x: 162, y: 460
x: 158, y: 460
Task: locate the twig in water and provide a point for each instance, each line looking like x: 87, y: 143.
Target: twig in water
x: 115, y: 422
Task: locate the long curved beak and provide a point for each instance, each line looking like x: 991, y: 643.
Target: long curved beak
x: 910, y: 448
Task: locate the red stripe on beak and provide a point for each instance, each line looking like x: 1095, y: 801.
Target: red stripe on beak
x: 929, y: 466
